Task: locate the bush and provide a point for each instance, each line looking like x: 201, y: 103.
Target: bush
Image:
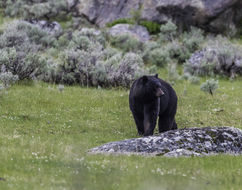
x: 64, y: 40
x: 219, y: 56
x: 192, y: 40
x: 159, y: 56
x: 36, y: 9
x: 170, y: 46
x: 19, y: 33
x: 191, y: 79
x: 28, y: 52
x: 168, y: 32
x: 91, y: 69
x: 172, y: 72
x: 152, y: 27
x: 181, y: 49
x: 194, y: 80
x: 210, y: 86
x: 20, y: 43
x: 7, y: 78
x: 148, y: 47
x: 22, y: 64
x: 85, y: 61
x: 126, y: 43
x: 130, y: 68
x: 177, y: 51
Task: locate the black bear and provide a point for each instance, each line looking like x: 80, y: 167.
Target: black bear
x: 149, y: 98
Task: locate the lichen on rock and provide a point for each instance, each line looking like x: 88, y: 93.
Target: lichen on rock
x: 181, y: 142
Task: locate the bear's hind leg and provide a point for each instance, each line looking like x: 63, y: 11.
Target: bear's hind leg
x: 139, y: 118
x: 174, y: 126
x: 166, y: 123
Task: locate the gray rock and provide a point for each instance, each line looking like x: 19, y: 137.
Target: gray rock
x: 212, y: 15
x: 138, y: 32
x: 181, y: 142
x: 72, y: 3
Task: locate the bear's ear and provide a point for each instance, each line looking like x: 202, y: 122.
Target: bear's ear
x: 144, y: 79
x: 156, y: 75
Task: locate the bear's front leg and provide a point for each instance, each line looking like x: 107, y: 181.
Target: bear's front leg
x: 150, y: 116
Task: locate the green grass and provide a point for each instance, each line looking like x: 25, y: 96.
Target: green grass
x: 64, y: 20
x: 120, y: 21
x: 1, y: 16
x: 152, y: 27
x: 45, y: 135
x: 3, y: 20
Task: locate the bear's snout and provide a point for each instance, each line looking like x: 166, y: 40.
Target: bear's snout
x: 159, y: 92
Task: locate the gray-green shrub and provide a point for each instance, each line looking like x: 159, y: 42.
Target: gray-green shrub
x: 193, y: 39
x: 210, y: 86
x: 219, y: 56
x: 168, y: 32
x: 177, y: 51
x: 172, y: 46
x: 7, y: 79
x: 29, y: 52
x: 37, y: 9
x: 182, y: 48
x: 20, y: 44
x: 19, y: 33
x: 159, y: 56
x: 126, y: 43
x: 172, y: 72
x: 148, y: 47
x: 91, y: 69
x: 86, y: 62
x: 24, y: 65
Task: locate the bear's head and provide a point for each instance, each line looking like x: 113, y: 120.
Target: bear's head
x: 152, y: 86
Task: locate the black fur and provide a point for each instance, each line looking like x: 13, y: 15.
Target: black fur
x: 151, y: 97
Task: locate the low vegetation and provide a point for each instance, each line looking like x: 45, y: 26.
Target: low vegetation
x: 63, y: 93
x: 152, y: 27
x: 92, y: 58
x: 218, y: 57
x: 36, y: 9
x: 46, y: 133
x: 30, y: 52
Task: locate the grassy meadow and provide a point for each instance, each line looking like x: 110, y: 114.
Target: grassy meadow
x: 45, y: 135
